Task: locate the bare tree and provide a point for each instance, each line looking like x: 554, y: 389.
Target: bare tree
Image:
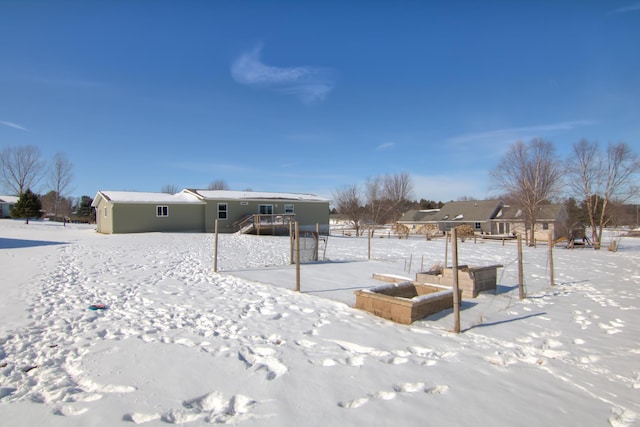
x: 532, y: 175
x: 398, y: 190
x: 170, y: 189
x: 218, y: 184
x: 60, y: 178
x: 374, y: 199
x: 348, y: 202
x: 49, y: 202
x: 20, y: 168
x: 603, y: 180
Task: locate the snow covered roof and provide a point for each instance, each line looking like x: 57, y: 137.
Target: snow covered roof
x: 9, y: 199
x: 255, y: 195
x: 144, y: 197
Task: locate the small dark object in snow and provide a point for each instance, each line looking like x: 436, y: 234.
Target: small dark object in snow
x: 29, y: 368
x: 97, y: 306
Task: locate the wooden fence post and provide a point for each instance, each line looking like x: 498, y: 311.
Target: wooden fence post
x: 297, y: 258
x: 551, y: 259
x: 291, y: 242
x: 215, y: 249
x: 520, y: 269
x: 456, y: 294
x: 446, y: 248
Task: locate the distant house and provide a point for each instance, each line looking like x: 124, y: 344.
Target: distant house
x: 478, y: 214
x: 419, y: 221
x: 487, y: 217
x: 6, y: 203
x: 549, y: 219
x: 197, y: 211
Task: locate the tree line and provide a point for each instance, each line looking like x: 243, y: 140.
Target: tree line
x: 594, y: 182
x: 22, y: 169
x: 602, y: 178
x: 382, y: 199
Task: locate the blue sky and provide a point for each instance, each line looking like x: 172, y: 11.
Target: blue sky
x: 309, y: 96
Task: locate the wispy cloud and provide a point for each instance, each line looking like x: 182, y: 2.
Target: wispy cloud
x: 626, y: 9
x: 13, y: 125
x: 309, y: 84
x: 521, y: 133
x: 385, y: 146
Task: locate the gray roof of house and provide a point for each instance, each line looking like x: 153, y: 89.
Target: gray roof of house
x: 545, y: 212
x: 419, y: 215
x: 469, y: 211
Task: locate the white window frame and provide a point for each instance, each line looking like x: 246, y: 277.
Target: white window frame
x: 289, y: 208
x: 477, y: 226
x: 269, y: 206
x: 105, y: 211
x: 162, y: 211
x: 223, y: 211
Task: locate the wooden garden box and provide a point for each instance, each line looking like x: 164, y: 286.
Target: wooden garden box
x: 404, y: 302
x: 471, y: 279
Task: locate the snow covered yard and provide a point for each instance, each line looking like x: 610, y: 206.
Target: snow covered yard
x: 180, y: 344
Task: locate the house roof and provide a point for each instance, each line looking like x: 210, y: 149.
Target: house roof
x: 517, y: 213
x: 9, y: 199
x: 419, y: 215
x: 254, y: 195
x: 199, y: 196
x: 469, y: 211
x: 144, y: 197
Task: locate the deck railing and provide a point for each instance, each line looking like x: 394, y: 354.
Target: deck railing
x: 264, y: 221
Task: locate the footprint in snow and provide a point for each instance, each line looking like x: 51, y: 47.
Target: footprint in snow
x: 353, y: 348
x: 384, y: 395
x: 263, y: 359
x: 439, y: 389
x: 140, y: 418
x: 356, y: 403
x: 305, y: 343
x: 622, y: 417
x: 409, y: 387
x: 70, y: 410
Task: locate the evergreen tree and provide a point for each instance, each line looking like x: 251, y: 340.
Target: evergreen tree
x: 84, y: 209
x: 27, y: 206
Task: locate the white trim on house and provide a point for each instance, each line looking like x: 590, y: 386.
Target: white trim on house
x: 145, y: 197
x: 254, y: 195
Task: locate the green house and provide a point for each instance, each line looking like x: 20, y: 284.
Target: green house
x: 200, y: 210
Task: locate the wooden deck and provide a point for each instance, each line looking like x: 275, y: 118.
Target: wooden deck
x: 265, y: 224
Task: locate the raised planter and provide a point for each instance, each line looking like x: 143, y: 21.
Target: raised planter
x: 404, y: 302
x: 471, y: 280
